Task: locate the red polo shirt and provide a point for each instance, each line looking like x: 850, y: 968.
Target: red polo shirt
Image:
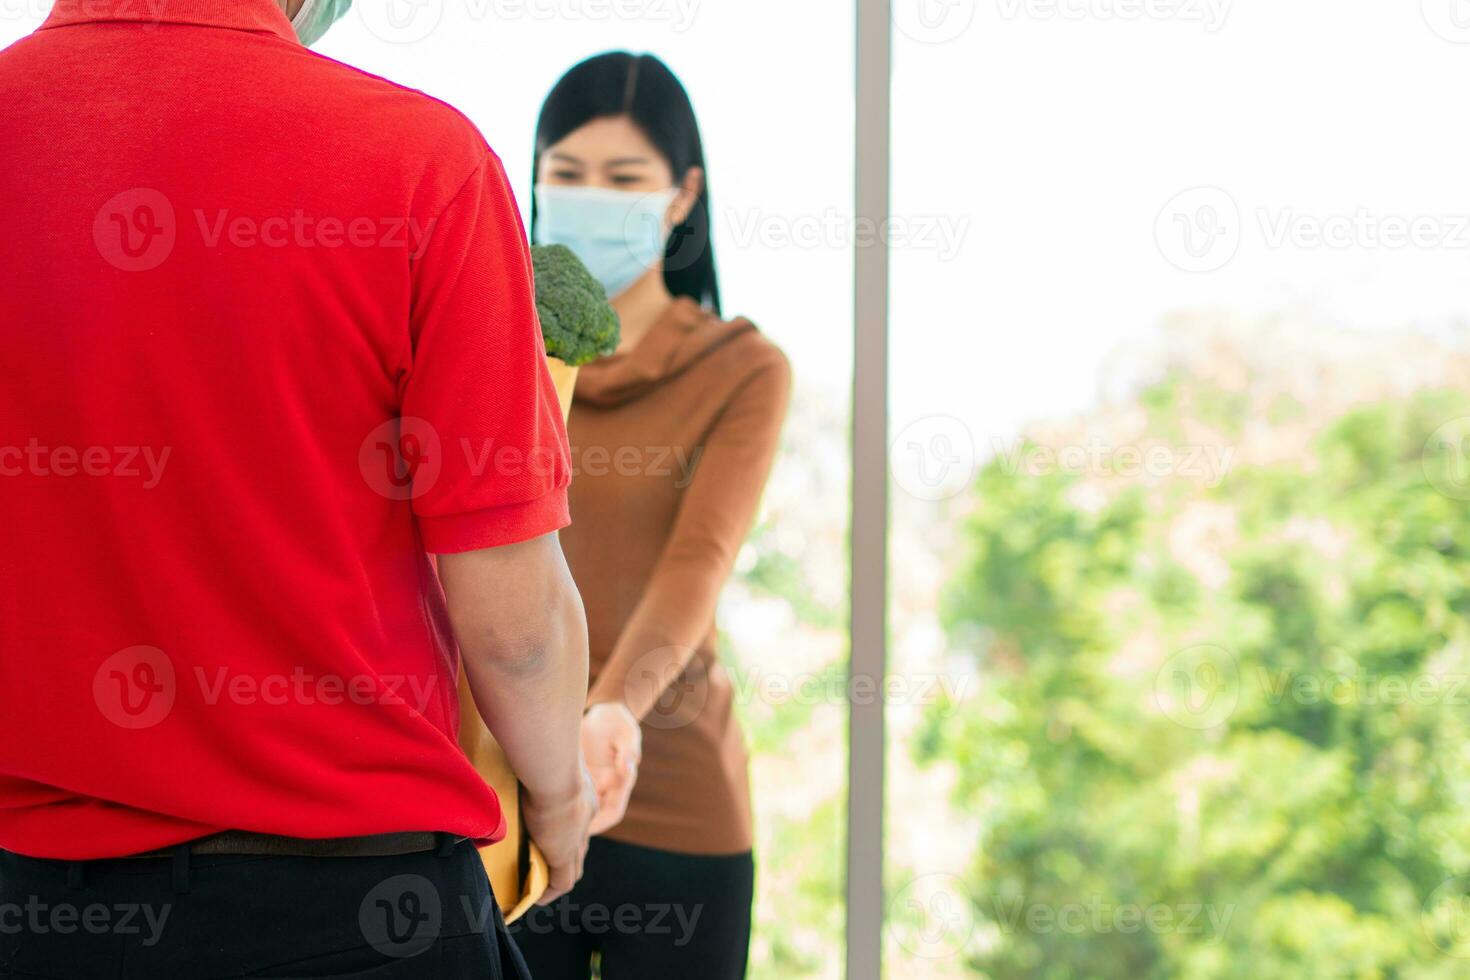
x: 230, y: 267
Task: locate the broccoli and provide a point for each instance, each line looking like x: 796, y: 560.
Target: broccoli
x: 576, y: 319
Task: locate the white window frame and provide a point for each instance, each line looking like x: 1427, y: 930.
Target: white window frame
x: 869, y: 556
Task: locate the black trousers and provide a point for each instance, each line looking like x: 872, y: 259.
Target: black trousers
x: 191, y: 916
x: 648, y: 914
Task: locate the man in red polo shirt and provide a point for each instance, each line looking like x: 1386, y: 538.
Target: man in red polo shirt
x: 269, y: 341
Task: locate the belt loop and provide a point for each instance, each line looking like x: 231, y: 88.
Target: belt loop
x: 181, y: 869
x: 447, y: 844
x: 75, y: 875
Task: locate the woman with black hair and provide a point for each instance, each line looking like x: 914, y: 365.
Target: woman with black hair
x: 674, y: 437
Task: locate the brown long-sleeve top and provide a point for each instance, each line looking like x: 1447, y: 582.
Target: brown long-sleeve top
x: 672, y: 443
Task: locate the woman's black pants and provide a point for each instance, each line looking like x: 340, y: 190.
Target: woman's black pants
x: 647, y: 914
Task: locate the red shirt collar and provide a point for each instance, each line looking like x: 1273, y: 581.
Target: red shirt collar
x: 240, y: 15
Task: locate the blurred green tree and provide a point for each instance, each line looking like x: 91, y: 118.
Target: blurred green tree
x: 1256, y: 773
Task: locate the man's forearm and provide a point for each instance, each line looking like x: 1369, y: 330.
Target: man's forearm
x: 533, y: 702
x: 523, y: 636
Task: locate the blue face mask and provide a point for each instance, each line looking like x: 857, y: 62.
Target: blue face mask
x: 618, y: 235
x: 316, y: 16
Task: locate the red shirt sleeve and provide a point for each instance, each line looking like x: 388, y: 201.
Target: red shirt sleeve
x: 478, y: 397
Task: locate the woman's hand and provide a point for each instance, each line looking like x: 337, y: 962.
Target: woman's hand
x: 612, y: 742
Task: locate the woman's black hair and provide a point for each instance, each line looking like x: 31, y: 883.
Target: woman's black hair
x: 642, y: 88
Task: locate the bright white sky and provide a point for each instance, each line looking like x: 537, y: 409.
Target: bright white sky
x: 1036, y: 143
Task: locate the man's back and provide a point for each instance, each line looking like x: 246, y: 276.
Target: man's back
x: 231, y: 266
